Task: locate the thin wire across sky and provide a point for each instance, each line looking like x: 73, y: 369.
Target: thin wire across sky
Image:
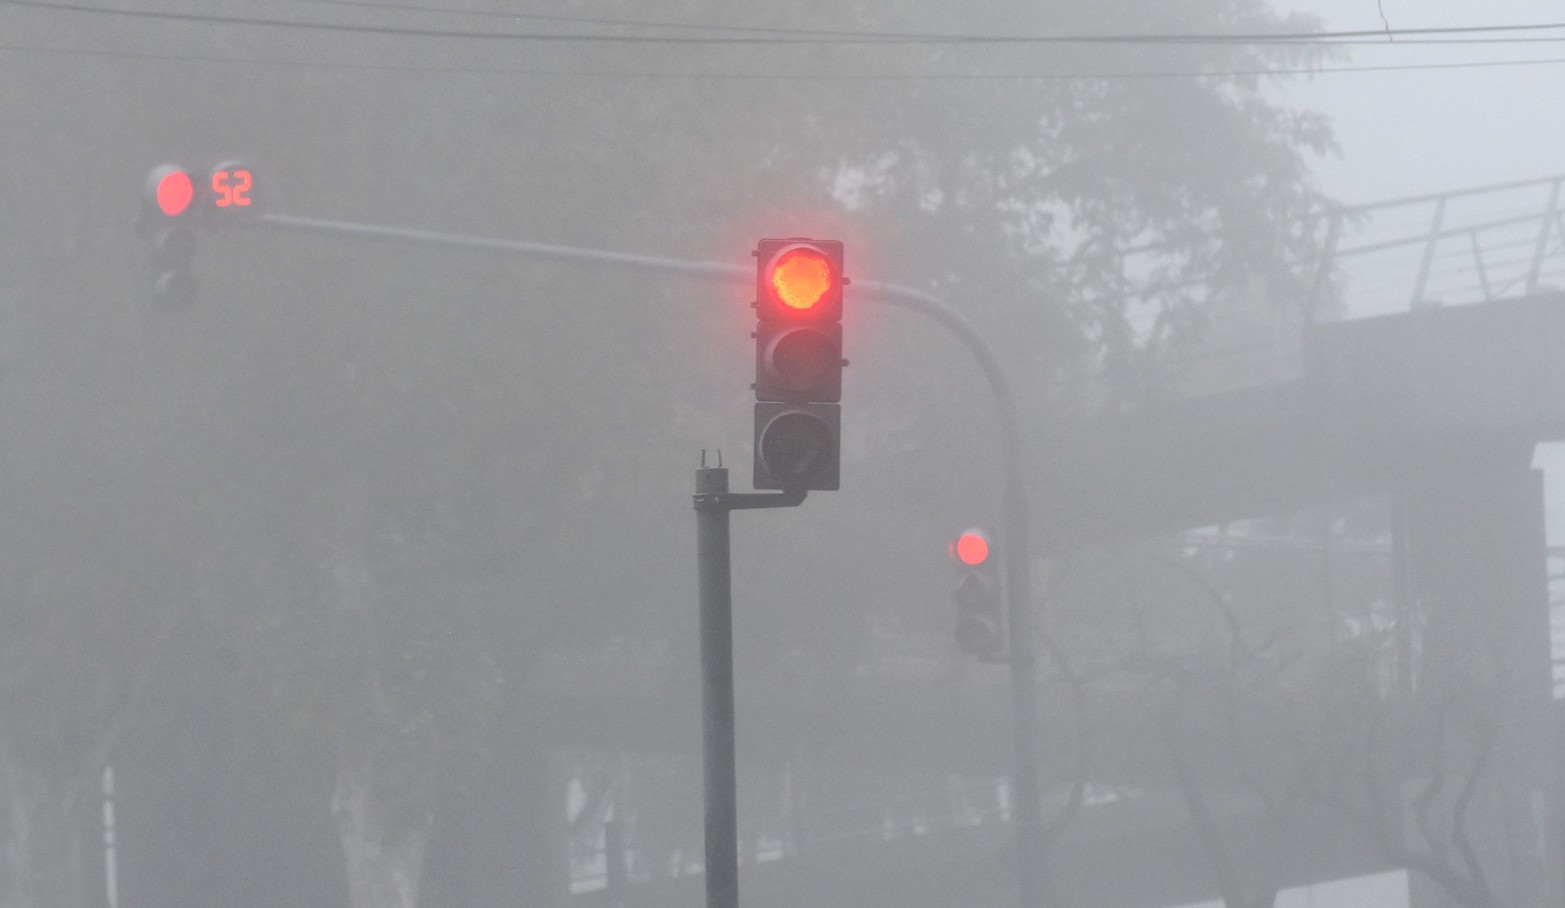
x: 693, y: 34
x: 759, y: 35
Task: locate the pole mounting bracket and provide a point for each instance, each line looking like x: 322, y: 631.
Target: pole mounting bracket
x: 747, y: 501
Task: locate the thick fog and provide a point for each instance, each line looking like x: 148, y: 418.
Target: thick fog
x: 351, y: 554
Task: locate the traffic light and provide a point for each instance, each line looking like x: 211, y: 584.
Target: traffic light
x: 798, y: 364
x: 980, y: 612
x: 168, y: 205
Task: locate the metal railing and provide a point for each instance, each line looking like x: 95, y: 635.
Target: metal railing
x: 1451, y: 248
x: 1440, y: 249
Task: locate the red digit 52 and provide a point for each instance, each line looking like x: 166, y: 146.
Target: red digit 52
x: 232, y: 188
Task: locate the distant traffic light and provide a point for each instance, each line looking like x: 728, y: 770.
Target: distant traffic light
x: 798, y: 364
x: 174, y: 202
x: 168, y: 202
x: 980, y: 612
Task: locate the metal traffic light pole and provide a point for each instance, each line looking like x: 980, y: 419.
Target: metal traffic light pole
x: 713, y: 501
x: 1026, y: 735
x: 712, y: 507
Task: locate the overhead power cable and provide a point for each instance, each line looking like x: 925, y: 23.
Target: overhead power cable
x: 806, y: 38
x: 576, y: 20
x: 777, y: 77
x: 1379, y: 38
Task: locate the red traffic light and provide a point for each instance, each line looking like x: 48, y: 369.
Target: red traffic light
x: 798, y: 340
x: 798, y: 363
x: 980, y: 613
x: 970, y: 548
x: 801, y: 277
x: 172, y: 190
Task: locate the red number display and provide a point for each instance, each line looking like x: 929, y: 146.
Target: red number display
x: 231, y: 188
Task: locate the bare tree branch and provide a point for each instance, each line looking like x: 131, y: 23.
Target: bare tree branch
x: 1459, y: 832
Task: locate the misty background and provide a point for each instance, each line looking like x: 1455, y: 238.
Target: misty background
x: 368, y: 580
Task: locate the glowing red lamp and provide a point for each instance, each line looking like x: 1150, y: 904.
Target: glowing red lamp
x: 173, y: 190
x: 801, y: 277
x: 970, y: 548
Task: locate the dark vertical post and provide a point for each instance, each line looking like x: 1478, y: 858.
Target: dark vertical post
x: 614, y: 853
x: 1478, y: 566
x: 1026, y: 733
x: 1543, y: 236
x: 1429, y: 253
x: 717, y: 693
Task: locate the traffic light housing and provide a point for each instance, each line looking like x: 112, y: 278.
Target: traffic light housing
x: 798, y: 364
x: 980, y: 608
x: 169, y: 200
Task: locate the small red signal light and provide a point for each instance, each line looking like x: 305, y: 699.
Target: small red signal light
x: 980, y: 609
x: 174, y: 192
x: 801, y: 277
x: 971, y: 548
